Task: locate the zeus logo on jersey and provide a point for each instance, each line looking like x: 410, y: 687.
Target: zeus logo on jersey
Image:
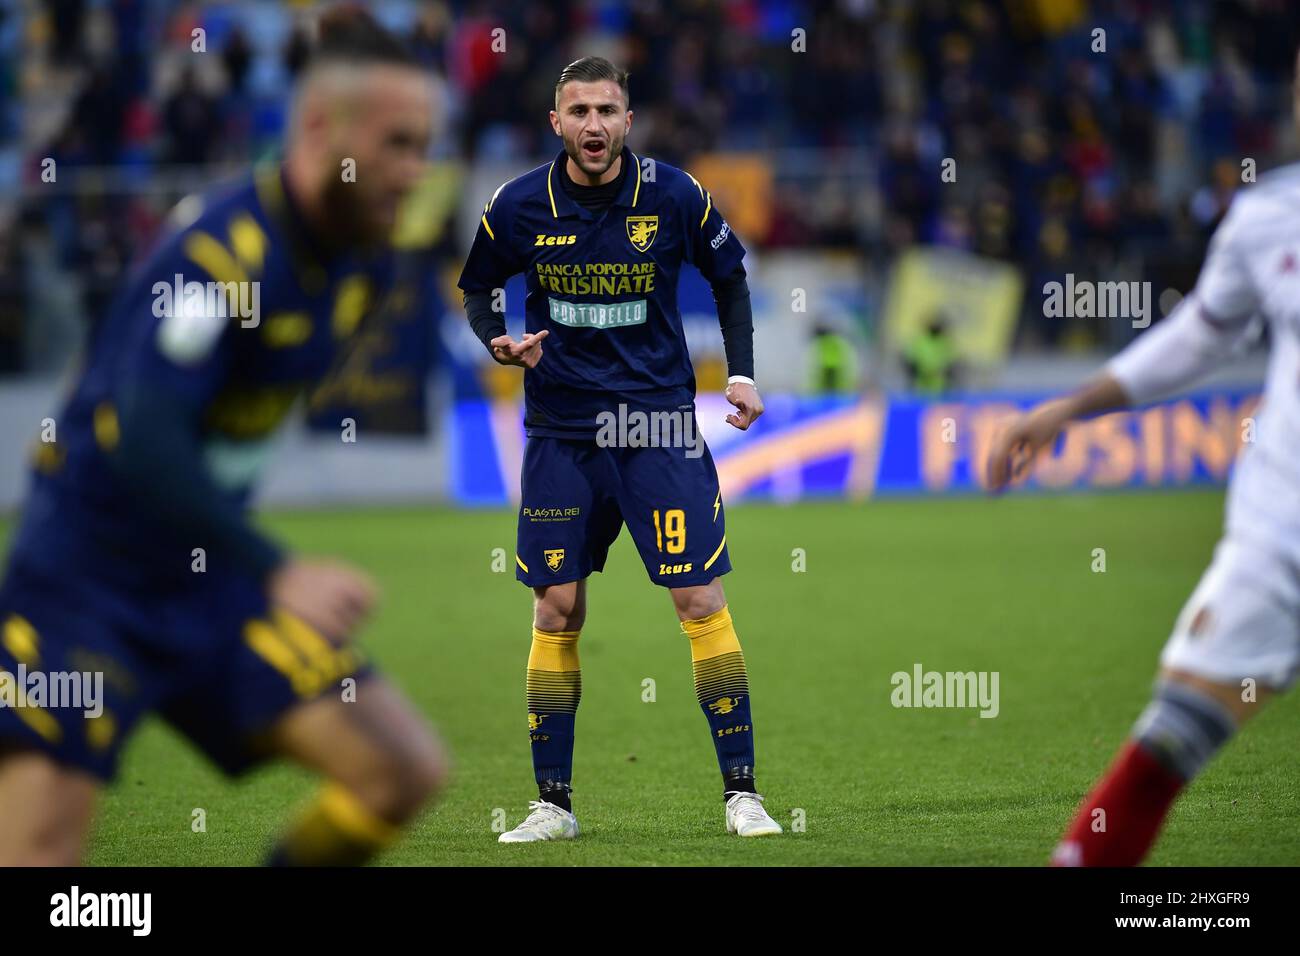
x: 545, y: 240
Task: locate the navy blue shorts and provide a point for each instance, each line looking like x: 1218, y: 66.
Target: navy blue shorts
x: 577, y: 495
x: 213, y: 659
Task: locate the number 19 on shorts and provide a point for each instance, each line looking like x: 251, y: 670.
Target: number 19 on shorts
x: 673, y: 528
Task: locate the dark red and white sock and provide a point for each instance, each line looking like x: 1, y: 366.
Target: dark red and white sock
x: 1172, y: 742
x: 1120, y: 819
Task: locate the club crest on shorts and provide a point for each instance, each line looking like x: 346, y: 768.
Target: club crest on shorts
x: 641, y: 231
x: 554, y: 558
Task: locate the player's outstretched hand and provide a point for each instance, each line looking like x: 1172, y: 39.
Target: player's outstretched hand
x: 1020, y: 440
x: 330, y: 596
x: 748, y: 404
x: 527, y: 352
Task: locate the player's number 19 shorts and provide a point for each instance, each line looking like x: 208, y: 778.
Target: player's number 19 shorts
x: 577, y: 495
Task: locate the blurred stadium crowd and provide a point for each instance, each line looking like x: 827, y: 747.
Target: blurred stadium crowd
x: 1068, y: 158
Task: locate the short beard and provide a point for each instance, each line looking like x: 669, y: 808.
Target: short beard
x: 348, y: 225
x: 575, y: 154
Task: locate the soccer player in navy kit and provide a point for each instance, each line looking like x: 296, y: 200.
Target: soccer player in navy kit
x: 136, y: 559
x: 601, y: 235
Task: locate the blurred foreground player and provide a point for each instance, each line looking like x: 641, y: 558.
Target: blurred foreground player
x: 602, y: 236
x: 1237, y: 639
x: 136, y: 560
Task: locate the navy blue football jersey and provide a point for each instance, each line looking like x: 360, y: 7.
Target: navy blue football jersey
x: 236, y: 372
x: 604, y: 285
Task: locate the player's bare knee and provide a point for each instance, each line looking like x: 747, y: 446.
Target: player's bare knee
x: 57, y: 850
x: 1242, y: 699
x: 427, y: 767
x: 697, y: 602
x: 414, y: 776
x: 561, y: 607
x: 421, y: 780
x: 389, y: 787
x: 45, y: 811
x: 417, y: 767
x: 51, y: 839
x: 380, y: 749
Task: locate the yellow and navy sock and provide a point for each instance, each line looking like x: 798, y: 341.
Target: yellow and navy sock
x: 722, y: 687
x: 554, y: 689
x: 336, y: 830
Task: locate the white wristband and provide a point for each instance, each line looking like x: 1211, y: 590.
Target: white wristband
x: 733, y: 379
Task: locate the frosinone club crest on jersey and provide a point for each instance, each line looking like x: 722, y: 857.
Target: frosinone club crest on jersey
x: 641, y: 231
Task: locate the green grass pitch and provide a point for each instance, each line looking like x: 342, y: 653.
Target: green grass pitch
x: 960, y: 584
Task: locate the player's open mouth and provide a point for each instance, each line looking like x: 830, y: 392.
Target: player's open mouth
x: 593, y: 147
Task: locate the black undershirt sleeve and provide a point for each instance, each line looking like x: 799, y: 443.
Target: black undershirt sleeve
x: 160, y: 455
x: 736, y: 317
x: 486, y: 322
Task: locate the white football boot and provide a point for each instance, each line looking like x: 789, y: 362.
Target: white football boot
x: 546, y: 822
x: 746, y: 816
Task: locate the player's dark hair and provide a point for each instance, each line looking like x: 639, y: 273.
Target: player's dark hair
x: 349, y: 33
x: 589, y: 70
